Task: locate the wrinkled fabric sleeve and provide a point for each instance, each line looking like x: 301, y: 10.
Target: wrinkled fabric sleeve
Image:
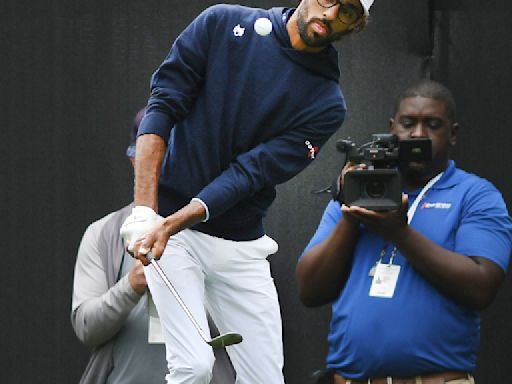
x: 177, y: 82
x: 270, y: 163
x: 485, y: 229
x: 98, y: 312
x: 330, y: 218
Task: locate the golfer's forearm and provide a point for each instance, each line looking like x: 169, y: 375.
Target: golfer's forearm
x: 98, y: 319
x: 148, y: 162
x: 188, y: 216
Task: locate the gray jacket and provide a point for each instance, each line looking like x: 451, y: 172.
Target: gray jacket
x: 110, y: 248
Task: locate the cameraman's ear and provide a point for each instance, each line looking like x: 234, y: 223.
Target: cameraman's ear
x: 391, y: 123
x: 453, y: 134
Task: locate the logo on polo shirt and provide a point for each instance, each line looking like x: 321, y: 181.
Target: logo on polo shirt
x: 312, y: 150
x: 427, y: 205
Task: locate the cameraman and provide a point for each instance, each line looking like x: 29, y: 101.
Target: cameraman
x: 407, y: 285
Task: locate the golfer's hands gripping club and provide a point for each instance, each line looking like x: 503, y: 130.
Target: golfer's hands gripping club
x: 143, y: 234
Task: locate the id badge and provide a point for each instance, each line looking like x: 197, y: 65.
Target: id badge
x: 384, y: 281
x: 155, y: 334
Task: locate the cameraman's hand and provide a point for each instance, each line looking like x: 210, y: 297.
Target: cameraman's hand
x: 387, y: 224
x: 350, y: 166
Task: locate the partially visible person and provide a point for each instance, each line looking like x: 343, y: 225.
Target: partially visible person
x: 407, y: 286
x: 110, y: 306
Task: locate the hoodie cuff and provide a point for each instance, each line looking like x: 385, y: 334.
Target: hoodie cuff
x: 207, y: 216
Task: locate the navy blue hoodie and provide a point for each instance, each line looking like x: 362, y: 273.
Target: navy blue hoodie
x: 241, y: 113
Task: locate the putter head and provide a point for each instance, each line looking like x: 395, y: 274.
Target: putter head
x: 226, y: 339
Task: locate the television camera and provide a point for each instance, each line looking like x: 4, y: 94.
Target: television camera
x: 379, y: 186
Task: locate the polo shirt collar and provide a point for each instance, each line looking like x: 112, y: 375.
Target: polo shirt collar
x: 450, y: 178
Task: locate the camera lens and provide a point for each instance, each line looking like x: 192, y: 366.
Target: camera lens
x: 375, y: 189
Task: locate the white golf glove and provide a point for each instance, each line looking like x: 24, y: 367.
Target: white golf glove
x: 140, y: 222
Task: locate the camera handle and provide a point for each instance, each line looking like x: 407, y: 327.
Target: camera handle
x: 336, y: 190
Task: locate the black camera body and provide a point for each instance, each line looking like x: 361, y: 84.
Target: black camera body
x: 379, y: 187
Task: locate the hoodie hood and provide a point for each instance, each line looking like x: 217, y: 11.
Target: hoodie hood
x: 323, y: 63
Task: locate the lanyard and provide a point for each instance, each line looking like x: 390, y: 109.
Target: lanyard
x: 410, y: 214
x: 416, y: 202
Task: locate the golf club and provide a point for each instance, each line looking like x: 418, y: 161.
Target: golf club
x: 133, y: 233
x: 220, y: 341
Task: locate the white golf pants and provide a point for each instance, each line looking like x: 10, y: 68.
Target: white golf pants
x: 232, y: 279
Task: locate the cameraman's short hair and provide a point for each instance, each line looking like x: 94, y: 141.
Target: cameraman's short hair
x: 433, y: 90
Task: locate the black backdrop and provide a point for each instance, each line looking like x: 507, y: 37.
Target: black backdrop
x: 73, y: 73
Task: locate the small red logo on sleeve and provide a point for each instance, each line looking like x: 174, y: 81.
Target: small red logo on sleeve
x: 312, y: 151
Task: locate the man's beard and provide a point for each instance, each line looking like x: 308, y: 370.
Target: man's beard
x: 315, y: 41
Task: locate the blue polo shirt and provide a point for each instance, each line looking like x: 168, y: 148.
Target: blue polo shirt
x: 418, y: 330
